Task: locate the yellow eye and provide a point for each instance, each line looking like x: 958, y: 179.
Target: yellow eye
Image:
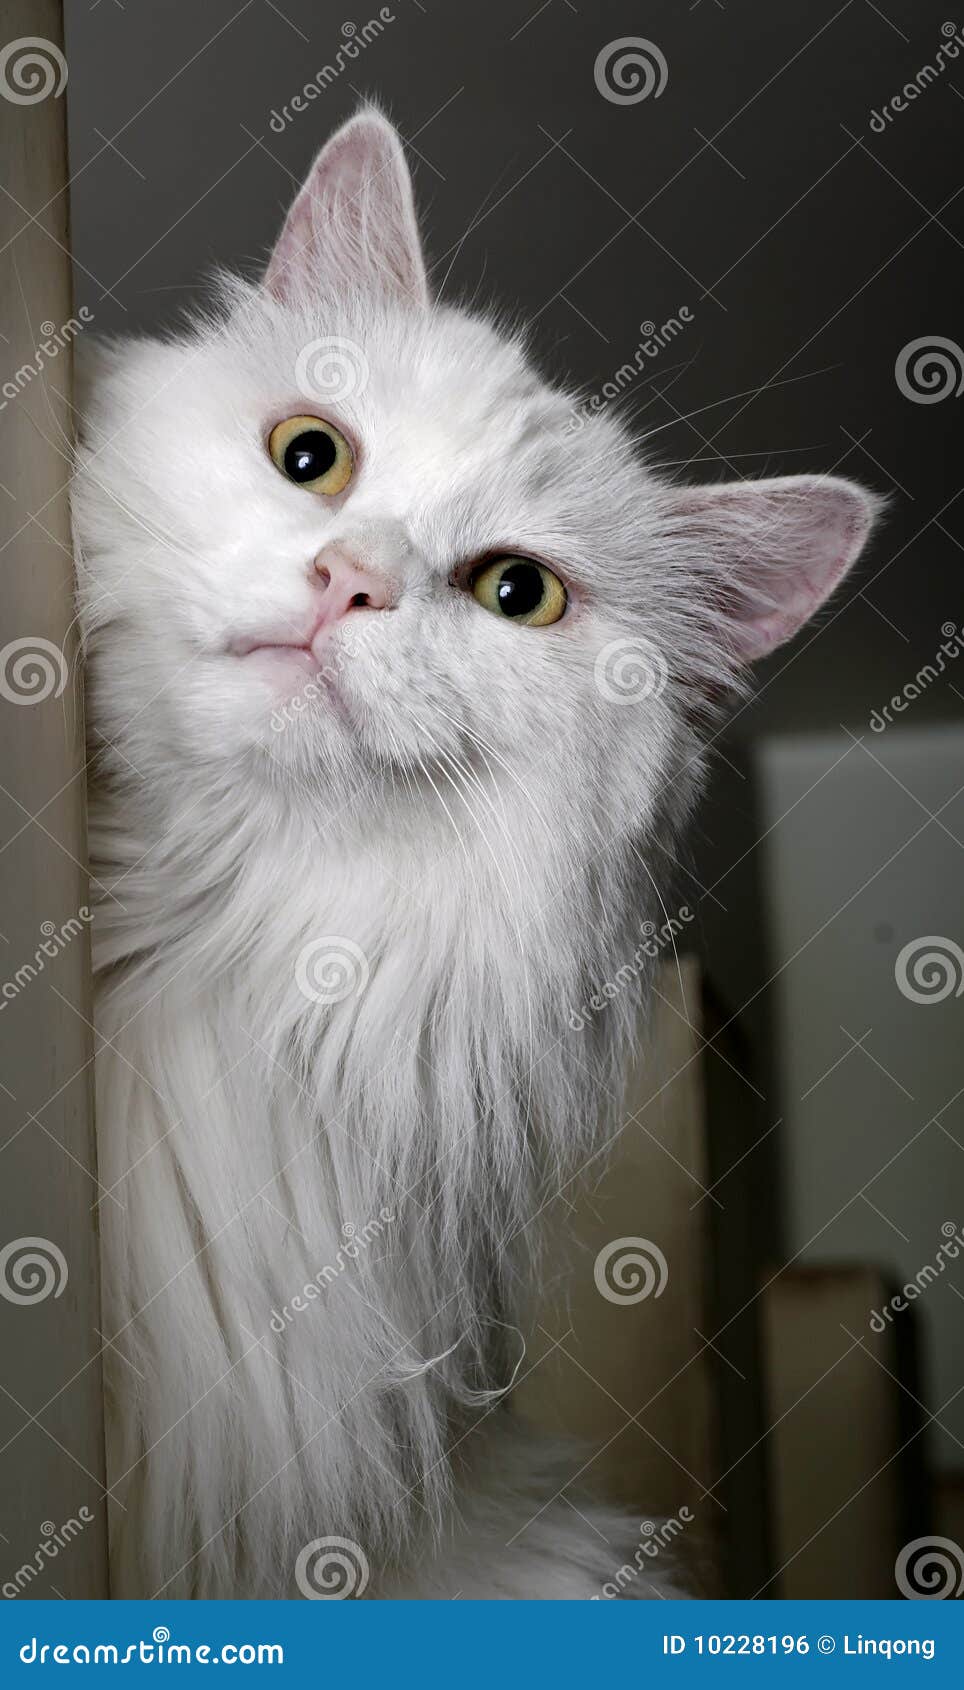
x: 518, y: 588
x: 312, y: 453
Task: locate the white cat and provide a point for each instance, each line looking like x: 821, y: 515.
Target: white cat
x: 398, y: 683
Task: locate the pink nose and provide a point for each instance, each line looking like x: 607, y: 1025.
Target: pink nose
x: 346, y: 585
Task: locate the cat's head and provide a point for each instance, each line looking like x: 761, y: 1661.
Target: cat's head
x: 340, y: 542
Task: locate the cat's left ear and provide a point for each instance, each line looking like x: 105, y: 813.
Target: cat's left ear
x: 353, y: 222
x: 772, y: 551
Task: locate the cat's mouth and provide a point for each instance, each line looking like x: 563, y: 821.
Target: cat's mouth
x: 298, y: 668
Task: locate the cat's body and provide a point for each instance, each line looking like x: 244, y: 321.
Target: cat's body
x: 342, y: 939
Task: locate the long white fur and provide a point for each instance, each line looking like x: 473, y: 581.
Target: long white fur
x: 470, y: 811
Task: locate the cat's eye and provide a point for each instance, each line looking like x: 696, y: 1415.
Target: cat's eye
x: 312, y: 453
x: 525, y: 591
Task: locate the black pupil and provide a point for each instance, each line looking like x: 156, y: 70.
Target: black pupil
x: 309, y: 455
x: 520, y: 589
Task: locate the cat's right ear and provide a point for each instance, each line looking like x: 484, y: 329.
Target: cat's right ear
x: 353, y: 223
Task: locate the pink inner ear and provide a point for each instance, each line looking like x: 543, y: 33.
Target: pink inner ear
x: 353, y: 222
x: 780, y: 547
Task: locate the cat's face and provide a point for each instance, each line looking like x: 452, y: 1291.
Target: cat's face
x: 344, y: 539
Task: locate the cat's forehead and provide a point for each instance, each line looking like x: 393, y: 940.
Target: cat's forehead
x: 440, y: 373
x: 436, y: 398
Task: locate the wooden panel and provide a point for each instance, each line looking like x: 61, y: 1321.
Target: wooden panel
x: 840, y: 1434
x: 51, y: 1431
x: 630, y: 1374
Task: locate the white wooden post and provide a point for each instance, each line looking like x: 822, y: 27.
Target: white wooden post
x: 52, y: 1509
